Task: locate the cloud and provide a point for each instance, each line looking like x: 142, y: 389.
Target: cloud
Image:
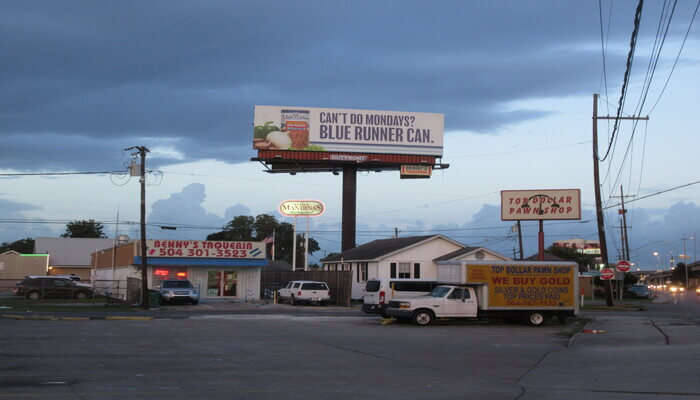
x: 90, y: 80
x: 185, y: 211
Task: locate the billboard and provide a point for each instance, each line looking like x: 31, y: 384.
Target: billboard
x: 347, y: 130
x: 205, y: 249
x: 526, y: 285
x: 547, y: 204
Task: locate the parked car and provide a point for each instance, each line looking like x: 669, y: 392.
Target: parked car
x: 180, y: 290
x: 378, y: 292
x: 305, y: 292
x: 49, y: 287
x: 638, y: 291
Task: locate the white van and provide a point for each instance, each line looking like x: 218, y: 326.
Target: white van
x: 378, y: 292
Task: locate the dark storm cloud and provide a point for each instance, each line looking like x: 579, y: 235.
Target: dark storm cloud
x: 94, y: 77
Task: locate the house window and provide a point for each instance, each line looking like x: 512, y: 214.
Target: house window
x: 393, y: 270
x: 404, y: 270
x: 362, y: 272
x: 416, y: 271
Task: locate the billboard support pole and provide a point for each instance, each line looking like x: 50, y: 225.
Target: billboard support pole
x: 520, y: 239
x: 349, y: 207
x: 540, y: 242
x: 306, y: 244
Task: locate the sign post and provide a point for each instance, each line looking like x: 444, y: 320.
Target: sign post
x: 607, y: 274
x: 540, y: 205
x: 307, y: 208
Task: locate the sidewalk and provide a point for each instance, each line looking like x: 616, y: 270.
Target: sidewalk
x: 631, y: 356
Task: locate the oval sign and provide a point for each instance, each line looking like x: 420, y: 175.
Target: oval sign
x: 607, y: 273
x: 304, y: 208
x: 623, y: 265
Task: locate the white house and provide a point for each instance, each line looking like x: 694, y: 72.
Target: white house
x: 410, y: 258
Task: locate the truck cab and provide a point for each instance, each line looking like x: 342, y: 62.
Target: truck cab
x: 445, y: 301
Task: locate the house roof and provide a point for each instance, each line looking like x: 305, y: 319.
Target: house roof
x: 456, y: 253
x: 278, y: 265
x: 379, y: 248
x: 70, y: 251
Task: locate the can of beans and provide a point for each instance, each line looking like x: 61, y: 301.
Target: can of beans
x: 296, y: 124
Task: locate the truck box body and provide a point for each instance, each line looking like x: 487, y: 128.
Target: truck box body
x: 516, y: 285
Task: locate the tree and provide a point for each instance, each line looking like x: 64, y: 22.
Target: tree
x: 84, y: 229
x: 584, y: 261
x: 239, y: 228
x: 262, y: 226
x: 24, y: 246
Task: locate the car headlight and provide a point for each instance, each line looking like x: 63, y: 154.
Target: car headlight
x: 404, y: 304
x: 674, y: 289
x: 697, y: 290
x: 682, y: 289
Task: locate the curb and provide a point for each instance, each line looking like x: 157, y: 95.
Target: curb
x: 55, y: 318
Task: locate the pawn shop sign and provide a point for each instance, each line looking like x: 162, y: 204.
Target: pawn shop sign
x: 623, y: 265
x: 607, y: 274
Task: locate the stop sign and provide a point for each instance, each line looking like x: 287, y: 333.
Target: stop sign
x: 623, y: 265
x: 607, y: 273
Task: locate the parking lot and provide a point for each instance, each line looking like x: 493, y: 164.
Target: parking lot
x: 258, y: 356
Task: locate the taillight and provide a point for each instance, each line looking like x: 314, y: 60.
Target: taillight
x: 299, y: 293
x: 329, y: 292
x: 382, y: 297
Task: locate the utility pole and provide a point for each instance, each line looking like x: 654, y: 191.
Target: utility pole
x: 598, y: 202
x: 142, y: 150
x: 624, y: 225
x: 520, y: 239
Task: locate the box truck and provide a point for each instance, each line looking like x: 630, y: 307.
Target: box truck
x: 531, y: 291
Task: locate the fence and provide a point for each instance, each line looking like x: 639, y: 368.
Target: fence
x: 339, y: 283
x: 97, y: 291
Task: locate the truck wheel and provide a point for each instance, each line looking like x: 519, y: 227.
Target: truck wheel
x: 291, y: 301
x: 423, y: 317
x: 536, y: 318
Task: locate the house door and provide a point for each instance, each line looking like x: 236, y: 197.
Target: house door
x: 221, y: 283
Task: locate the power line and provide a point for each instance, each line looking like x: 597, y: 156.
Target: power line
x: 66, y: 173
x: 625, y: 80
x: 692, y: 19
x: 655, y: 194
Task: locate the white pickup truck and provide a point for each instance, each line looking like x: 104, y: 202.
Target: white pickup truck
x: 305, y: 292
x: 510, y: 290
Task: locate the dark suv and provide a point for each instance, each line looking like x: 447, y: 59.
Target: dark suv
x: 35, y: 288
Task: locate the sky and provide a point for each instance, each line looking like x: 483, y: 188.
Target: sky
x: 81, y: 81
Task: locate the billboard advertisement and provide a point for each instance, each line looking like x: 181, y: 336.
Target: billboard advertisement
x: 347, y: 130
x: 526, y: 285
x: 546, y: 204
x: 205, y: 249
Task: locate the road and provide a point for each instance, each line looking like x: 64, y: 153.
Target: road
x: 266, y: 356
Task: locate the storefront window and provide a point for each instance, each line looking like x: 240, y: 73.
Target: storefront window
x: 221, y: 283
